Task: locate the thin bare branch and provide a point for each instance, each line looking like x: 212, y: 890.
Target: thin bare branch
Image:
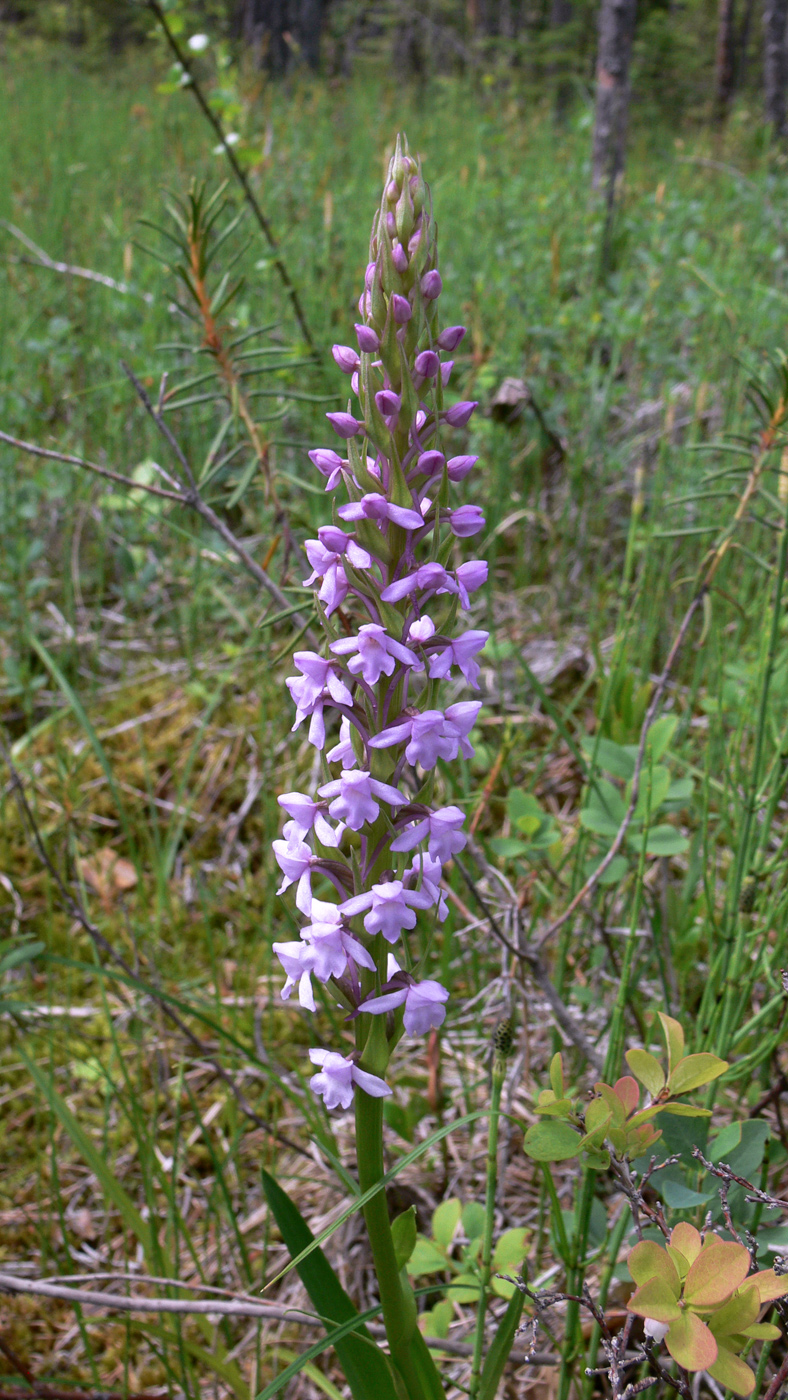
x: 192, y: 498
x: 43, y: 259
x: 240, y: 1306
x: 48, y: 452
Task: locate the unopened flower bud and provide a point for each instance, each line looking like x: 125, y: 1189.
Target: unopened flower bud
x: 367, y: 340
x: 391, y: 224
x: 459, y: 413
x: 446, y: 369
x: 344, y: 424
x: 388, y: 402
x: 399, y: 258
x: 427, y: 363
x: 450, y: 338
x: 431, y: 284
x: 345, y: 357
x: 458, y: 467
x: 431, y: 462
x: 401, y: 309
x: 392, y: 191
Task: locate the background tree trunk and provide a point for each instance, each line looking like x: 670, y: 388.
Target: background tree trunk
x: 725, y: 64
x: 561, y: 14
x: 775, y: 63
x: 616, y: 28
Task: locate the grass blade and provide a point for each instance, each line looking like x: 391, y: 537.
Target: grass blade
x: 365, y: 1367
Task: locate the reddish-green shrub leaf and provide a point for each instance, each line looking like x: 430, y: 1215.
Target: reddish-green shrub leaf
x: 649, y: 1260
x: 551, y: 1142
x: 655, y: 1300
x: 717, y: 1272
x: 731, y: 1371
x: 695, y: 1070
x: 690, y: 1342
x: 647, y: 1068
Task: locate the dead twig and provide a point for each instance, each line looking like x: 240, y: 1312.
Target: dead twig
x: 48, y: 452
x: 43, y: 259
x: 537, y: 970
x: 239, y: 1306
x: 191, y: 497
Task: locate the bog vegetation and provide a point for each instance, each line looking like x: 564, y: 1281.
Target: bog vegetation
x: 621, y: 905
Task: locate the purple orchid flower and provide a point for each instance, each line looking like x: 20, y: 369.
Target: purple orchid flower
x: 424, y: 1004
x: 335, y: 1081
x: 387, y: 852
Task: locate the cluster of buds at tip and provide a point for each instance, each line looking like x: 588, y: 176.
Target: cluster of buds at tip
x: 388, y: 601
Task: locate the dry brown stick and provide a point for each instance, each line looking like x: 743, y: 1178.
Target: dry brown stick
x: 718, y: 553
x: 43, y: 260
x: 77, y: 912
x: 36, y: 451
x: 777, y: 1382
x: 243, y: 1307
x: 192, y: 497
x: 39, y: 1391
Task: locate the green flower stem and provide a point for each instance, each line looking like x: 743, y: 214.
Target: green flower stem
x: 498, y: 1076
x: 398, y: 1317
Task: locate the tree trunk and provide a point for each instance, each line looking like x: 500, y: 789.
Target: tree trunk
x: 561, y: 14
x: 775, y: 63
x: 724, y: 65
x: 310, y: 28
x: 616, y: 28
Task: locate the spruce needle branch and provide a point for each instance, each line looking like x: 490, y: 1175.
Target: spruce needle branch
x: 249, y: 195
x: 77, y: 911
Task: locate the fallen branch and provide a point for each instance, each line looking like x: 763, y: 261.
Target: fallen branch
x: 43, y: 259
x: 241, y: 1306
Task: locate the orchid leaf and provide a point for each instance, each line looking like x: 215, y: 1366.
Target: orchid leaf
x: 366, y: 1368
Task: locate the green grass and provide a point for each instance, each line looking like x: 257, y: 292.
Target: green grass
x: 143, y: 620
